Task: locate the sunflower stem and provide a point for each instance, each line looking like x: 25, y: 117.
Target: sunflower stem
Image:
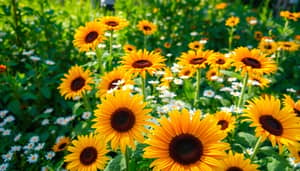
x: 143, y: 79
x: 145, y: 42
x: 99, y: 56
x: 241, y: 99
x: 256, y: 148
x: 127, y: 158
x: 86, y: 103
x: 197, y: 92
x: 110, y: 49
x: 230, y: 38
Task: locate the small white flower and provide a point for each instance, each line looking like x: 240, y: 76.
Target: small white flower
x: 178, y: 81
x: 48, y: 110
x: 235, y: 93
x: 49, y: 155
x: 116, y: 46
x: 17, y: 137
x: 6, y: 132
x: 49, y: 62
x: 179, y: 44
x: 150, y: 97
x: 15, y: 148
x: 28, y: 53
x: 3, y: 113
x: 291, y: 90
x: 176, y: 68
x: 39, y: 146
x: 253, y: 22
x: 45, y: 122
x: 3, y: 166
x: 220, y: 80
x: 167, y: 94
x: 101, y: 46
x: 228, y: 89
x: 44, y: 168
x: 208, y: 93
x: 161, y: 88
x: 194, y: 33
x: 91, y: 53
x: 86, y: 115
x: 203, y: 41
x: 159, y: 73
x: 153, y: 82
x: 9, y: 119
x: 29, y: 146
x: 7, y: 157
x: 33, y: 158
x: 35, y: 58
x: 215, y: 77
x: 34, y: 139
x: 232, y: 79
x: 249, y: 151
x: 128, y: 87
x: 218, y: 97
x: 169, y: 54
x: 162, y: 38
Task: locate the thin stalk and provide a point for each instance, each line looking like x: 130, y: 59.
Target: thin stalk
x: 230, y: 38
x: 127, y: 159
x: 241, y: 99
x: 197, y: 92
x: 86, y: 103
x: 99, y: 57
x: 256, y: 148
x: 110, y: 49
x: 145, y: 42
x: 143, y: 79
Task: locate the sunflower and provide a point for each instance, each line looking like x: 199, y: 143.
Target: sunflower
x: 232, y: 21
x: 113, y: 80
x: 167, y: 45
x: 87, y: 153
x: 129, y: 48
x: 221, y: 5
x: 147, y: 27
x: 288, y: 46
x: 253, y: 61
x: 225, y: 120
x: 183, y: 142
x: 142, y: 61
x: 251, y: 20
x: 186, y: 72
x: 257, y: 80
x: 236, y: 162
x: 195, y: 45
x: 89, y: 36
x: 295, y: 151
x: 195, y: 59
x: 280, y: 126
x: 267, y: 45
x: 61, y: 144
x: 213, y: 73
x: 76, y: 83
x: 121, y: 118
x: 289, y: 15
x: 290, y: 103
x: 158, y: 50
x: 167, y: 78
x: 219, y: 61
x: 113, y: 22
x: 258, y: 35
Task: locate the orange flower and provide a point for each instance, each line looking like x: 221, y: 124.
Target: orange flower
x: 232, y: 21
x: 2, y: 68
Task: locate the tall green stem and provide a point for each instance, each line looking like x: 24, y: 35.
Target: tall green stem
x: 143, y: 80
x: 145, y: 42
x: 110, y: 49
x: 127, y: 159
x: 256, y: 148
x: 99, y: 56
x: 197, y: 92
x: 241, y: 99
x: 230, y: 38
x: 86, y: 103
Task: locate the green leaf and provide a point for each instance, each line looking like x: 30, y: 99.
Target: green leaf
x: 14, y: 106
x: 46, y: 92
x: 232, y: 74
x: 115, y: 164
x: 249, y: 138
x: 276, y: 165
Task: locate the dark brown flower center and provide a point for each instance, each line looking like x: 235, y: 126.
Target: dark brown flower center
x: 91, y: 37
x: 297, y: 112
x: 223, y: 123
x: 147, y: 28
x: 196, y: 46
x: 220, y: 61
x: 77, y: 84
x: 62, y: 146
x: 234, y: 169
x: 299, y: 153
x: 142, y: 64
x: 88, y: 156
x: 287, y: 45
x: 122, y: 119
x: 112, y: 23
x: 185, y: 149
x: 196, y: 61
x: 113, y: 84
x: 271, y: 124
x: 251, y: 62
x: 187, y: 72
x: 268, y: 47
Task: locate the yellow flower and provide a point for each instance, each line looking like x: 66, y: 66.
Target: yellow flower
x: 267, y: 45
x: 252, y: 20
x: 290, y: 103
x: 219, y: 61
x: 232, y: 21
x: 258, y: 35
x: 195, y: 45
x: 113, y: 22
x: 147, y: 27
x: 236, y: 162
x: 75, y: 83
x: 257, y: 80
x: 280, y: 126
x: 223, y: 119
x: 129, y: 48
x: 185, y: 142
x: 195, y: 59
x: 288, y: 46
x: 222, y: 5
x: 88, y: 37
x: 289, y: 15
x: 61, y: 145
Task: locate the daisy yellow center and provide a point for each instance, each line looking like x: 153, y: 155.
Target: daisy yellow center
x: 185, y: 149
x: 113, y: 84
x: 142, y: 64
x: 196, y: 61
x: 77, y: 83
x: 271, y: 124
x: 122, y: 120
x: 91, y: 37
x: 223, y: 123
x: 251, y: 62
x: 112, y: 23
x: 147, y: 28
x: 234, y: 169
x: 88, y: 156
x: 220, y: 61
x: 62, y: 146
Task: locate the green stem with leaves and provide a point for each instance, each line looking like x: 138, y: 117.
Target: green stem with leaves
x: 241, y: 99
x: 197, y: 92
x: 256, y: 148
